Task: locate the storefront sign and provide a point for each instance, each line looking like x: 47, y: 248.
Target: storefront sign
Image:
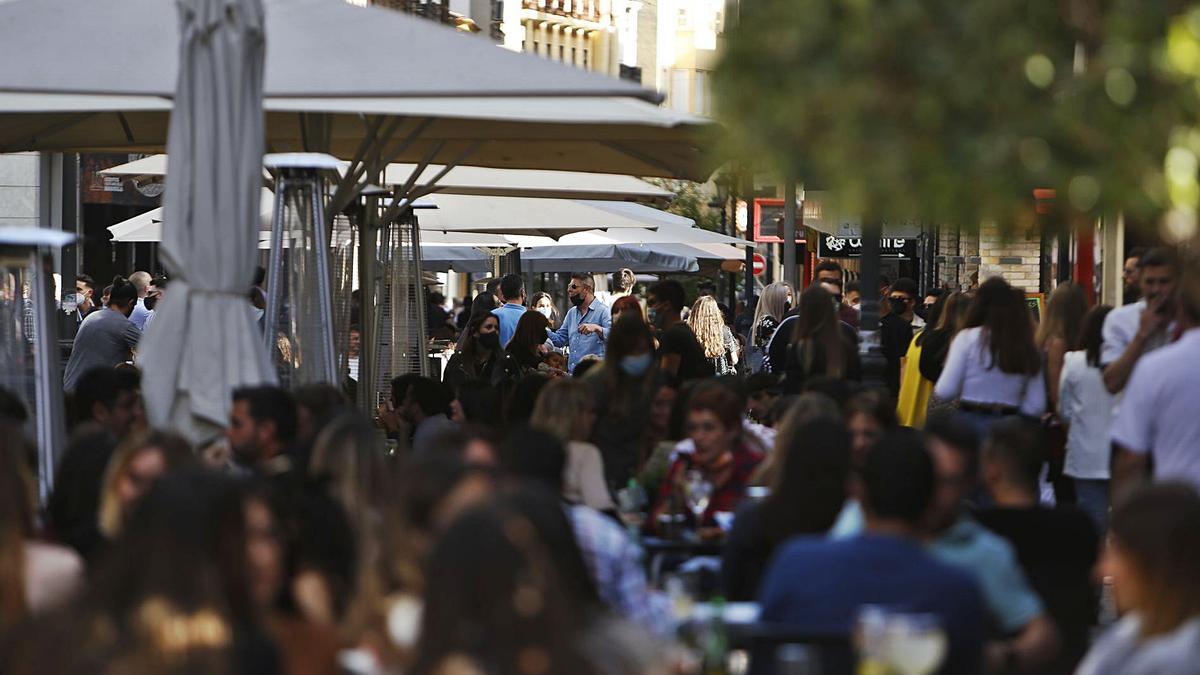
x: 830, y: 246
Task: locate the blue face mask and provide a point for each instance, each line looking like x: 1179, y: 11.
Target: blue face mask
x: 636, y: 365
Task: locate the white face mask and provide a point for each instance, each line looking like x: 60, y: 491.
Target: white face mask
x: 545, y: 311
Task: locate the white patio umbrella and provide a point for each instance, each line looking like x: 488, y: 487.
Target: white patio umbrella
x: 338, y: 79
x: 148, y: 226
x: 475, y: 180
x: 204, y: 343
x: 536, y: 216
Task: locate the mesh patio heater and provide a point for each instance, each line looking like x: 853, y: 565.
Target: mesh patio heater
x: 398, y: 332
x: 28, y: 339
x: 299, y: 332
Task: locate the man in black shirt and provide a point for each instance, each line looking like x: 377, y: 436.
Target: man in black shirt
x: 680, y: 355
x: 896, y: 329
x: 1056, y: 548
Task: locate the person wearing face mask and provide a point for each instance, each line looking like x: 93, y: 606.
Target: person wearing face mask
x: 623, y: 390
x: 481, y: 357
x: 543, y: 304
x: 896, y: 329
x: 105, y: 337
x: 85, y: 288
x: 680, y: 355
x: 584, y: 330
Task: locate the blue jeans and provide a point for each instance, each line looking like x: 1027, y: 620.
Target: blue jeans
x: 1091, y: 496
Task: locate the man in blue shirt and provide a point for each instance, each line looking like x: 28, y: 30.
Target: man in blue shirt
x: 818, y: 586
x: 513, y: 291
x: 1025, y: 639
x: 585, y: 327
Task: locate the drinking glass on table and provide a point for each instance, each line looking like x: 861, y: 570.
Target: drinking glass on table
x: 698, y: 494
x: 916, y: 643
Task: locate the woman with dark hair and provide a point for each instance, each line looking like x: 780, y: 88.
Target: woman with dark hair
x: 481, y: 356
x: 172, y: 595
x: 481, y: 306
x: 819, y: 346
x: 1059, y: 333
x: 935, y: 339
x: 806, y: 496
x: 626, y: 303
x: 912, y: 402
x: 528, y: 340
x: 723, y: 458
x: 1085, y: 406
x: 508, y: 592
x: 994, y: 368
x: 623, y: 388
x: 1152, y: 556
x: 543, y: 304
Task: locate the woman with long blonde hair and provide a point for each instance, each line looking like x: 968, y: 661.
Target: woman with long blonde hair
x: 720, y: 347
x: 773, y: 303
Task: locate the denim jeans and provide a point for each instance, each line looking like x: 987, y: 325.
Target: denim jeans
x: 1092, y: 497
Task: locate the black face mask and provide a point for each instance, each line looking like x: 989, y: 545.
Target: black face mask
x: 488, y: 340
x: 576, y: 300
x: 150, y: 302
x: 787, y: 307
x: 896, y: 306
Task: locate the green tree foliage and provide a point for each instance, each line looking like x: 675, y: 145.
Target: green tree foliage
x: 691, y: 201
x: 953, y: 111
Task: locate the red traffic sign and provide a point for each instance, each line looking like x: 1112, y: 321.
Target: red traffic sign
x: 760, y: 264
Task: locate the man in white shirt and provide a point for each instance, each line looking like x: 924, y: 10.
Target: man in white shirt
x: 1132, y: 331
x: 1158, y: 414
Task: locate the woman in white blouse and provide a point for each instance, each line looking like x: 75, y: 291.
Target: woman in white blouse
x: 993, y: 368
x: 565, y: 409
x: 1086, y: 406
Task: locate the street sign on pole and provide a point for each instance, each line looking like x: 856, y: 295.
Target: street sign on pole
x: 760, y: 264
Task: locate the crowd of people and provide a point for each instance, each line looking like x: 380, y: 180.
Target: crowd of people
x: 1012, y: 479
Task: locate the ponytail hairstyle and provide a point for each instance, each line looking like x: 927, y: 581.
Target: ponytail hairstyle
x: 123, y: 292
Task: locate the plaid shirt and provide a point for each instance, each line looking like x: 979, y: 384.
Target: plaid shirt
x: 615, y: 562
x: 726, y: 496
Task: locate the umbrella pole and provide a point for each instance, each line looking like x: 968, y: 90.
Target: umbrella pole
x: 368, y: 353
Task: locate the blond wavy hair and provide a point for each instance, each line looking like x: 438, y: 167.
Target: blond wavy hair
x: 707, y: 322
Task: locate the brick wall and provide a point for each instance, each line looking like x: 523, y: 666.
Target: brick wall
x: 1014, y: 255
x: 954, y: 244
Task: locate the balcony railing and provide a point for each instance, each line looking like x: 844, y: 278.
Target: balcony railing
x: 584, y: 10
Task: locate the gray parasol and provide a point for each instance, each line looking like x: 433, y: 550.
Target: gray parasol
x: 205, y: 342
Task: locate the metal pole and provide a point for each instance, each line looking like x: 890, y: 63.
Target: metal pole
x: 48, y: 376
x: 275, y: 262
x: 748, y: 196
x: 369, y: 348
x: 324, y: 299
x: 873, y: 364
x: 790, y: 274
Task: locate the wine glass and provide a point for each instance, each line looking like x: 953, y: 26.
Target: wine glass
x: 916, y: 643
x: 699, y: 493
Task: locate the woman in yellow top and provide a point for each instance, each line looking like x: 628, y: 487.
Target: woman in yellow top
x: 926, y: 354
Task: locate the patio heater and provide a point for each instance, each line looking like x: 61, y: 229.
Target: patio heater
x: 299, y: 315
x: 28, y: 340
x: 395, y: 342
